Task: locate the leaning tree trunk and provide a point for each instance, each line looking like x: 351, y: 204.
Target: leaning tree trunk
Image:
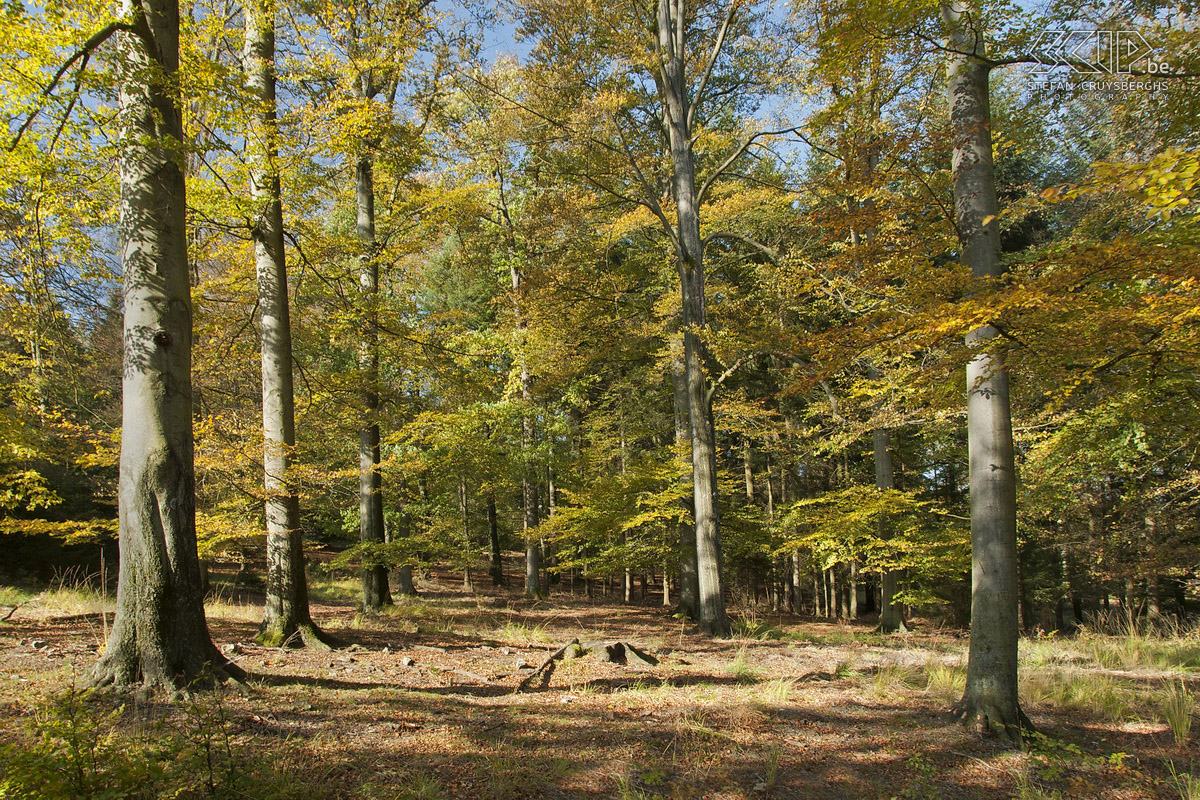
x: 160, y: 638
x: 690, y: 262
x: 376, y: 591
x: 990, y: 699
x: 285, y: 615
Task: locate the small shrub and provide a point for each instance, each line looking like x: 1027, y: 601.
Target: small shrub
x: 76, y: 753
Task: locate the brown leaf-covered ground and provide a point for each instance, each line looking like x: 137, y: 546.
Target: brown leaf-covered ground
x: 420, y: 702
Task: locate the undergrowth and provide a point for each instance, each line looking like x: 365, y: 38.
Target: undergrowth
x: 81, y: 744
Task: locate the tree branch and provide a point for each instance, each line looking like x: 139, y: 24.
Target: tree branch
x: 738, y: 152
x: 709, y: 65
x: 737, y: 237
x: 84, y: 53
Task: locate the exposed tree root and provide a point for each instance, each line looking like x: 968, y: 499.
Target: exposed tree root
x: 307, y: 635
x: 149, y: 679
x: 990, y: 718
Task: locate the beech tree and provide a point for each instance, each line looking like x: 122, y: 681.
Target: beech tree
x: 160, y: 637
x: 990, y: 698
x: 641, y: 123
x: 286, y: 615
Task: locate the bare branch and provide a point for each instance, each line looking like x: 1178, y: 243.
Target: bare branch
x: 737, y: 237
x: 737, y: 153
x: 724, y: 376
x: 709, y: 65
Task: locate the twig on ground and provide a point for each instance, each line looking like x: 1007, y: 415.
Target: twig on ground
x: 13, y: 610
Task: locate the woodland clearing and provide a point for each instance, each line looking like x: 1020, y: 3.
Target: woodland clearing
x: 420, y: 702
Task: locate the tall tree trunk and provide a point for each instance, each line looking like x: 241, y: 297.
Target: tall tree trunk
x: 990, y: 699
x: 159, y: 638
x: 376, y: 592
x: 405, y: 585
x: 286, y: 615
x: 673, y: 87
x: 748, y: 469
x: 833, y: 599
x: 1153, y: 580
x: 852, y: 591
x: 464, y: 510
x: 529, y: 493
x: 689, y: 590
x: 890, y: 618
x: 497, y: 565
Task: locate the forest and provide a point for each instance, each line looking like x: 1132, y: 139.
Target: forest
x: 419, y: 399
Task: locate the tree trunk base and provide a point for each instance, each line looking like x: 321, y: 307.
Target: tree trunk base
x: 306, y: 635
x: 990, y: 718
x: 405, y: 587
x: 716, y: 628
x: 127, y: 670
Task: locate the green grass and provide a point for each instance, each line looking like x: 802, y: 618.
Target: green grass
x: 1104, y: 696
x: 1185, y: 784
x: 779, y: 691
x: 740, y: 667
x: 324, y: 587
x: 1178, y: 706
x: 13, y: 595
x: 520, y: 634
x: 946, y: 681
x: 1142, y: 651
x: 890, y: 677
x: 755, y: 629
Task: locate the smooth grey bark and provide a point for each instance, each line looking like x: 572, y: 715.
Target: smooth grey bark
x: 405, y: 586
x: 1153, y: 580
x: 671, y: 46
x: 160, y: 638
x: 689, y: 590
x: 990, y: 700
x: 286, y: 617
x: 497, y: 565
x: 852, y: 591
x: 748, y: 469
x: 529, y: 489
x: 376, y: 592
x: 403, y: 573
x: 891, y: 619
x: 464, y: 510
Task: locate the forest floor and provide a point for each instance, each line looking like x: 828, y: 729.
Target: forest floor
x: 422, y: 702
